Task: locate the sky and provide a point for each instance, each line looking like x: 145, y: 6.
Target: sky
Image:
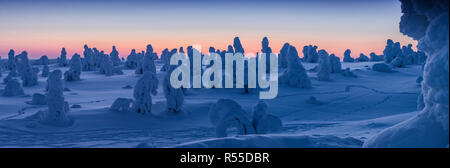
x: 43, y: 27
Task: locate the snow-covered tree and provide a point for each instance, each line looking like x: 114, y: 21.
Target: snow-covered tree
x: 388, y: 54
x: 226, y: 113
x: 399, y: 59
x: 362, y: 58
x: 143, y: 91
x: 335, y: 63
x: 88, y: 61
x: 347, y: 56
x: 310, y: 54
x: 73, y: 74
x: 57, y: 107
x: 323, y: 73
x: 427, y: 22
x: 13, y: 88
x: 408, y: 54
x: 11, y: 64
x: 282, y: 56
x: 374, y: 57
x: 107, y: 66
x: 295, y: 75
x: 115, y: 56
x: 27, y: 73
x: 267, y: 50
x: 45, y: 71
x: 62, y: 61
x: 174, y: 96
x: 132, y: 60
x: 42, y: 61
x: 148, y: 63
x: 165, y: 57
x: 238, y: 46
x: 263, y: 121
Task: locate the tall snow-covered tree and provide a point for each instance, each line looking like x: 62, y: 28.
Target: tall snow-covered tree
x: 57, y: 107
x: 115, y: 56
x: 174, y: 96
x: 143, y: 91
x: 324, y: 66
x: 62, y: 61
x: 295, y: 75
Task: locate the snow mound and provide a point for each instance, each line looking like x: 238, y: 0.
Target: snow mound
x: 226, y: 113
x: 275, y: 141
x: 381, y: 67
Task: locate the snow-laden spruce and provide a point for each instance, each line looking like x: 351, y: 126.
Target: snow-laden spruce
x: 362, y: 58
x: 45, y: 71
x: 43, y: 60
x: 374, y: 57
x: 28, y: 75
x: 335, y: 63
x: 282, y: 56
x: 88, y: 60
x: 226, y: 113
x: 143, y: 91
x: 174, y: 96
x: 428, y: 22
x: 73, y: 74
x: 57, y: 108
x: 148, y: 62
x: 323, y: 73
x: 263, y: 121
x: 295, y: 75
x: 11, y: 64
x: 132, y: 62
x: 62, y: 60
x: 347, y: 56
x: 388, y: 54
x: 13, y: 88
x: 310, y: 54
x: 165, y: 58
x: 106, y: 66
x: 115, y: 56
x: 399, y: 59
x: 266, y: 50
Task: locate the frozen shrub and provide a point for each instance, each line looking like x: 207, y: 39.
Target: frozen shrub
x: 295, y: 75
x: 174, y: 96
x: 263, y: 121
x: 324, y: 66
x: 226, y: 113
x: 121, y: 105
x: 13, y: 88
x: 362, y: 58
x: 143, y: 91
x: 381, y: 67
x: 73, y: 74
x: 347, y: 57
x: 57, y: 107
x: 335, y: 63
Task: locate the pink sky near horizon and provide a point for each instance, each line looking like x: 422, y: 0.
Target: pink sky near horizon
x: 43, y: 29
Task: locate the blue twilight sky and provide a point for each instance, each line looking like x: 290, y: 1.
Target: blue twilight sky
x: 42, y: 27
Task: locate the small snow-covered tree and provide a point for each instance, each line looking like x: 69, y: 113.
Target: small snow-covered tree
x: 115, y: 56
x: 295, y: 75
x: 282, y: 56
x: 57, y: 107
x: 174, y: 96
x: 13, y: 88
x: 347, y: 56
x: 88, y: 61
x: 11, y: 64
x: 263, y: 121
x: 62, y: 61
x: 335, y: 63
x: 388, y: 54
x: 324, y: 66
x: 73, y: 74
x: 45, y: 71
x: 132, y: 60
x: 226, y: 113
x: 374, y: 57
x: 143, y: 91
x: 107, y: 66
x: 362, y: 58
x: 399, y: 59
x: 148, y: 63
x: 121, y: 105
x: 27, y: 73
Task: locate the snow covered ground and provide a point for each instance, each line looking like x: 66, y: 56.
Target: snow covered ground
x: 351, y: 110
